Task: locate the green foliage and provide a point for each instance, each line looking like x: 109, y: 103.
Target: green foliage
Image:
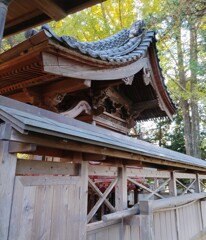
x: 172, y: 20
x: 99, y: 21
x: 11, y: 41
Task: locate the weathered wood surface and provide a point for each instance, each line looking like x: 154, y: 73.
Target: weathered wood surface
x: 121, y: 214
x: 65, y: 67
x: 25, y: 167
x: 107, y: 233
x: 83, y: 198
x: 7, y: 178
x: 175, y: 201
x: 44, y: 208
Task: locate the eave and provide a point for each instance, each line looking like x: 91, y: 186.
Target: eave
x: 26, y: 14
x: 28, y: 124
x: 54, y: 58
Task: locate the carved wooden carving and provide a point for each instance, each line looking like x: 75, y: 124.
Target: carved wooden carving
x: 147, y: 76
x: 79, y: 108
x: 128, y: 80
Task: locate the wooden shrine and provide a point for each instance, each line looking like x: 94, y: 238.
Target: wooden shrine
x: 68, y: 170
x: 112, y: 83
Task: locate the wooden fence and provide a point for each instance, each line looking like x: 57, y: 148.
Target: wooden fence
x: 67, y: 200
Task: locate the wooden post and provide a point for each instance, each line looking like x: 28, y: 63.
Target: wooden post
x: 7, y: 177
x: 121, y: 195
x: 197, y: 184
x: 121, y: 189
x: 173, y: 192
x: 83, y: 198
x: 146, y: 221
x: 172, y: 185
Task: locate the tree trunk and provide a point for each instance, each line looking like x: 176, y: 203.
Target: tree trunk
x: 194, y: 101
x: 183, y: 102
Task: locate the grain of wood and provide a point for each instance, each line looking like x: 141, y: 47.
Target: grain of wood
x: 7, y: 178
x: 15, y: 221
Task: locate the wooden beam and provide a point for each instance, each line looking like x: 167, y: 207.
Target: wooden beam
x: 144, y: 187
x: 100, y: 224
x: 27, y: 167
x: 65, y: 85
x: 51, y: 9
x: 121, y: 214
x: 181, y: 175
x: 134, y: 172
x: 100, y: 194
x: 93, y: 157
x: 101, y: 200
x: 67, y: 68
x: 15, y: 147
x: 67, y: 145
x: 107, y: 171
x: 175, y: 201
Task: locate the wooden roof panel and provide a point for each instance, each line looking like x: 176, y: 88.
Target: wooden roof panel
x: 26, y: 14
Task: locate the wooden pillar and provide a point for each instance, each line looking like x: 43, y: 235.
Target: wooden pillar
x: 83, y: 198
x: 146, y: 221
x: 172, y: 185
x: 121, y: 189
x: 197, y: 184
x: 7, y: 177
x: 173, y: 192
x: 121, y: 196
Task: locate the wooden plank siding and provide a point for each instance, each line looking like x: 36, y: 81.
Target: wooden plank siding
x: 7, y: 178
x: 189, y: 222
x: 117, y: 231
x: 44, y: 208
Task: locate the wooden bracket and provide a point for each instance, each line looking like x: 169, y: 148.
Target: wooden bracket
x: 15, y: 147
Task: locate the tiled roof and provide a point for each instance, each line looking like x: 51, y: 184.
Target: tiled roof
x: 125, y: 46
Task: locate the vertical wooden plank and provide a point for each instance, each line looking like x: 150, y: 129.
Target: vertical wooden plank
x: 203, y: 213
x: 43, y: 212
x: 135, y: 231
x: 146, y: 220
x: 27, y: 216
x: 102, y: 235
x: 91, y: 236
x: 114, y: 232
x: 15, y: 222
x: 173, y: 225
x: 163, y: 224
x: 83, y: 198
x: 73, y: 206
x: 200, y: 226
x: 157, y: 226
x: 168, y: 225
x: 7, y: 176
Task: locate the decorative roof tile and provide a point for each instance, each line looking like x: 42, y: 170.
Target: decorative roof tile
x: 126, y: 46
